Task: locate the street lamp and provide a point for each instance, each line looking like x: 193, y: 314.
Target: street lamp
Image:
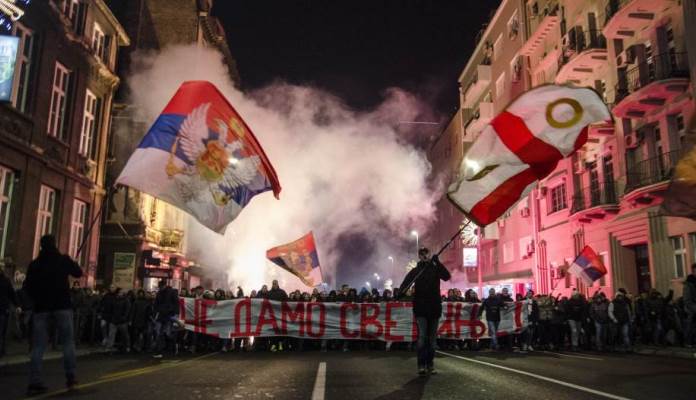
x: 415, y: 233
x: 367, y: 284
x: 391, y: 271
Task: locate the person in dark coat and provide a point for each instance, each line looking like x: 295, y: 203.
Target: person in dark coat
x: 119, y: 320
x: 8, y: 299
x: 140, y: 319
x: 492, y: 306
x: 49, y: 289
x: 576, y: 312
x: 427, y: 304
x: 621, y: 315
x: 689, y: 298
x: 533, y: 319
x: 165, y: 308
x: 105, y: 311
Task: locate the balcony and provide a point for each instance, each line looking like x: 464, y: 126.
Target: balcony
x: 481, y: 118
x: 595, y: 202
x: 651, y: 84
x: 650, y: 176
x: 584, y: 56
x: 624, y: 18
x: 549, y: 22
x: 482, y: 78
x: 601, y: 129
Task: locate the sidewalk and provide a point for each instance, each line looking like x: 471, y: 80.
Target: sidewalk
x: 678, y: 352
x: 18, y: 353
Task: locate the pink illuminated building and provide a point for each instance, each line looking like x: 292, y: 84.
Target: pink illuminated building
x: 636, y: 54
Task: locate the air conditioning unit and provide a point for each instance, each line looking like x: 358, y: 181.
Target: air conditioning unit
x: 542, y: 192
x: 631, y: 140
x: 579, y: 167
x: 524, y: 212
x: 530, y: 248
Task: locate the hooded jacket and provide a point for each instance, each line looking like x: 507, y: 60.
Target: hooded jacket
x: 47, y: 281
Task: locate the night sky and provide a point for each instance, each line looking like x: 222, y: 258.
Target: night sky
x: 356, y: 49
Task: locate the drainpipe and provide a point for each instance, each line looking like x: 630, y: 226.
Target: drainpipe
x: 534, y: 197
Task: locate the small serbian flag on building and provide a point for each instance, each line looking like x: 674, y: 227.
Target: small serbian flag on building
x: 588, y: 266
x: 299, y: 258
x: 201, y: 157
x: 522, y: 145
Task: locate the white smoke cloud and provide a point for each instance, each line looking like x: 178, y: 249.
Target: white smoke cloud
x: 342, y: 172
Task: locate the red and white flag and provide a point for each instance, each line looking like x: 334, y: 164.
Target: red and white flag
x: 522, y: 145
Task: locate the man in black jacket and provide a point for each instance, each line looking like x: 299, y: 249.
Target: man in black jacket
x: 165, y: 308
x: 49, y: 289
x: 427, y: 305
x: 7, y: 297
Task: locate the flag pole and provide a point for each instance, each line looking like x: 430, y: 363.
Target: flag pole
x: 93, y: 223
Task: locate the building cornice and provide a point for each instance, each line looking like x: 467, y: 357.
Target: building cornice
x: 123, y: 39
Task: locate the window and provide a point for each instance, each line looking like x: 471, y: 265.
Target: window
x: 679, y: 256
x: 22, y: 77
x: 75, y: 11
x: 508, y: 252
x: 98, y: 41
x: 44, y: 219
x: 500, y: 87
x: 90, y: 126
x: 513, y: 26
x: 6, y: 185
x: 558, y: 198
x: 681, y: 130
x: 516, y: 69
x: 692, y: 239
x: 77, y: 228
x: 59, y: 95
x: 498, y: 47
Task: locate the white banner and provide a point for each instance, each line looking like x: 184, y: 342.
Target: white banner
x: 392, y: 321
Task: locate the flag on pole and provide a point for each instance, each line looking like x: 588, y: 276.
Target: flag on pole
x: 201, y: 157
x: 521, y: 145
x: 679, y: 200
x: 588, y: 266
x: 299, y: 258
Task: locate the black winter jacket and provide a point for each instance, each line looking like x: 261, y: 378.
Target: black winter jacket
x: 426, y: 299
x: 47, y: 281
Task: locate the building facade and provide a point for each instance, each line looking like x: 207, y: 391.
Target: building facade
x: 54, y: 131
x: 634, y: 53
x: 143, y: 238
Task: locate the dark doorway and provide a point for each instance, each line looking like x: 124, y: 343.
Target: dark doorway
x: 642, y: 268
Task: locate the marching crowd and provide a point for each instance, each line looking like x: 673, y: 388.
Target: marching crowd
x: 142, y: 321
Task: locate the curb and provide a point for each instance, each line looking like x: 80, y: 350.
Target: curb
x: 54, y: 355
x: 688, y: 355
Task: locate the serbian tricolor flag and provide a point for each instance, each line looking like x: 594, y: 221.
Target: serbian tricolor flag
x: 588, y: 266
x: 201, y: 157
x: 522, y: 145
x: 299, y: 258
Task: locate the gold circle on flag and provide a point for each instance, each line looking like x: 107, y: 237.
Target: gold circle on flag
x: 577, y: 109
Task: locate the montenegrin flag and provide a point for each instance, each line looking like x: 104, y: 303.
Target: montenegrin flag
x: 201, y: 157
x: 588, y: 266
x: 522, y: 145
x: 299, y: 258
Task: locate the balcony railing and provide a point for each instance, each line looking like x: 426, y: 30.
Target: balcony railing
x: 653, y: 69
x: 579, y: 41
x: 653, y: 170
x: 598, y: 195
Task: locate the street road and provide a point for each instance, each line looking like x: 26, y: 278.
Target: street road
x: 367, y: 375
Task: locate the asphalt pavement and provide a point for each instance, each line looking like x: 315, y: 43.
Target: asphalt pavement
x: 366, y: 375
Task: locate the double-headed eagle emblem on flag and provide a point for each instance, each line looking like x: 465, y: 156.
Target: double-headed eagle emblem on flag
x: 216, y: 164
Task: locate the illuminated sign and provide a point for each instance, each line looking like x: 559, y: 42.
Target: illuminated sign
x: 8, y: 56
x: 470, y: 257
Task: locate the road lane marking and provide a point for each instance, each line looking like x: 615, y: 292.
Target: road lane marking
x: 574, y: 356
x: 123, y: 375
x: 540, y: 377
x: 320, y: 382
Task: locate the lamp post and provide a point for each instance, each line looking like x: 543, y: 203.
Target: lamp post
x: 415, y: 233
x: 391, y: 271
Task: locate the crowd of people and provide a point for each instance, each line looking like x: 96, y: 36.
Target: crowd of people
x: 145, y: 321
